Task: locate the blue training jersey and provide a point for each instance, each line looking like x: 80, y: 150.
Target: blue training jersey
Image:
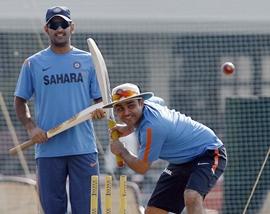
x: 169, y: 135
x: 61, y: 85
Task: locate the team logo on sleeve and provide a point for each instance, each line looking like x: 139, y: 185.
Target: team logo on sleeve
x: 76, y: 65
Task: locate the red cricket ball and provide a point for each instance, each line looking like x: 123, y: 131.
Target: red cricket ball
x: 228, y: 68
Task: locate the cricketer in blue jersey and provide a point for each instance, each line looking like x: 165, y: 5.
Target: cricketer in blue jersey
x: 196, y: 156
x: 61, y: 80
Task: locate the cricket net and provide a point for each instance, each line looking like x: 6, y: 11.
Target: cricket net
x: 180, y: 62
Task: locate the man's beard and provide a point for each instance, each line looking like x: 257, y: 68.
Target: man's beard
x: 60, y: 44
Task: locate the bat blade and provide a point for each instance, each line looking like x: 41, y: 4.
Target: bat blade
x: 104, y: 84
x: 71, y: 122
x: 75, y: 120
x: 101, y: 71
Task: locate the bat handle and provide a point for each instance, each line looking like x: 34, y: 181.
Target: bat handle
x: 21, y: 147
x: 115, y: 135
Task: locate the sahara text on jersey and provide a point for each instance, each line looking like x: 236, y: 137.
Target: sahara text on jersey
x: 62, y: 78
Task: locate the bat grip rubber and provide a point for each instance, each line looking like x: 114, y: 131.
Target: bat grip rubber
x: 114, y: 136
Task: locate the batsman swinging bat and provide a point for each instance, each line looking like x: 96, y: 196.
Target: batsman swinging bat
x: 104, y: 84
x: 71, y: 122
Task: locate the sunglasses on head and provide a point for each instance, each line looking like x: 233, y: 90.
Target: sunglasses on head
x: 123, y: 94
x: 56, y: 24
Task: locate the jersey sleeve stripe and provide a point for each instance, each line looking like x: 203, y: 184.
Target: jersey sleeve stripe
x: 215, y: 164
x: 148, y: 144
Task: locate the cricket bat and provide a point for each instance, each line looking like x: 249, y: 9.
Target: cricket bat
x: 71, y: 122
x: 104, y: 84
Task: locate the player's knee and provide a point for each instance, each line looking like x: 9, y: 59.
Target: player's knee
x: 192, y: 198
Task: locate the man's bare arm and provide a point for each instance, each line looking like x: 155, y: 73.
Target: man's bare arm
x: 23, y: 113
x: 138, y: 165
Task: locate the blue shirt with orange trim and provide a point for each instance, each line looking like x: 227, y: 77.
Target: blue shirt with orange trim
x: 61, y: 85
x: 169, y: 135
